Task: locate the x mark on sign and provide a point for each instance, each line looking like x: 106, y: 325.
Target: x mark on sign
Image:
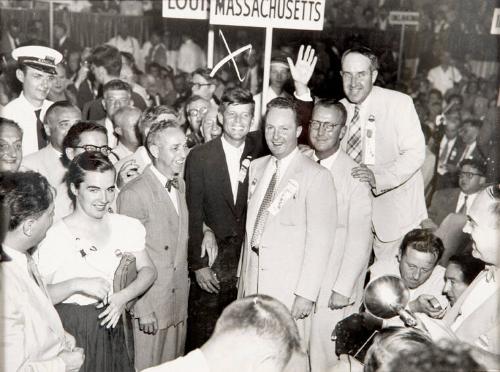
x: 230, y: 56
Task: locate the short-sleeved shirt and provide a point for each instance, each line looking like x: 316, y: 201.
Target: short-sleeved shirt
x: 62, y: 255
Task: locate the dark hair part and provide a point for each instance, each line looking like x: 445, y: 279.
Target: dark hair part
x: 4, y: 123
x: 91, y: 161
x: 476, y: 123
x: 157, y: 129
x: 423, y: 240
x: 284, y: 104
x: 72, y: 138
x: 236, y: 96
x: 469, y: 266
x: 109, y: 57
x: 446, y: 355
x: 59, y: 105
x: 477, y: 164
x: 265, y: 316
x: 332, y: 104
x: 116, y: 84
x: 364, y: 51
x: 25, y: 194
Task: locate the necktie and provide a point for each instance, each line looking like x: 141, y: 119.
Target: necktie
x: 40, y: 133
x: 318, y: 161
x: 174, y: 182
x: 463, y: 208
x: 35, y: 274
x: 354, y: 143
x: 444, y: 154
x: 263, y: 212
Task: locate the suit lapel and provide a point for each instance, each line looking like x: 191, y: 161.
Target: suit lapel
x: 183, y: 217
x: 290, y: 173
x: 159, y: 193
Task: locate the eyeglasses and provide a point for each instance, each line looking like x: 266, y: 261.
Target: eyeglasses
x: 105, y: 150
x: 356, y: 76
x: 469, y: 175
x: 197, y: 112
x: 327, y: 125
x: 244, y: 117
x: 199, y: 85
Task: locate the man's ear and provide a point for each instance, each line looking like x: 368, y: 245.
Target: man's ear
x: 118, y: 131
x: 28, y: 226
x: 20, y: 75
x: 154, y: 150
x: 220, y: 117
x: 374, y: 76
x: 342, y: 132
x: 70, y: 153
x: 298, y: 131
x: 46, y: 127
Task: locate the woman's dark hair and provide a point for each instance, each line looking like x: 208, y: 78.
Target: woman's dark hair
x: 88, y: 161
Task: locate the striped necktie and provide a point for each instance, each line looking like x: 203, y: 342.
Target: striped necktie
x: 354, y: 143
x: 262, y: 214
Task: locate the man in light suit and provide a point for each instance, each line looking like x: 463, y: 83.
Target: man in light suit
x: 291, y: 220
x: 60, y: 117
x: 33, y: 338
x: 341, y: 291
x: 157, y: 199
x: 385, y: 138
x: 474, y: 318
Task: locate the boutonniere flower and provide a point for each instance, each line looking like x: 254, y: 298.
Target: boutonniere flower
x: 245, y: 164
x: 290, y: 191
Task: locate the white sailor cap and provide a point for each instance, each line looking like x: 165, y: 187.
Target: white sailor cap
x: 38, y: 57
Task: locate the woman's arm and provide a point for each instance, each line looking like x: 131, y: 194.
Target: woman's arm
x: 94, y: 287
x: 146, y: 275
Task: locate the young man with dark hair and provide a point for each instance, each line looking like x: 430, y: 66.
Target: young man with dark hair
x: 217, y: 184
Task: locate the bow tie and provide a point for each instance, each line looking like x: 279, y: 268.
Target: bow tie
x: 172, y: 182
x: 490, y: 273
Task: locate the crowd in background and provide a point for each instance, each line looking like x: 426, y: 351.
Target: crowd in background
x: 138, y: 111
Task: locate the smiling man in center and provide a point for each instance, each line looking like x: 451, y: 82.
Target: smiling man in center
x: 291, y: 219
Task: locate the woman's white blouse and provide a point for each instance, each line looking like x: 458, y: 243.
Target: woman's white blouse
x: 63, y: 255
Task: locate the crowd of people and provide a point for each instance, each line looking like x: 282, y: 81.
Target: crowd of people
x: 159, y: 217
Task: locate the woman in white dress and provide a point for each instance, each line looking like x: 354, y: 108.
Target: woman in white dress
x: 78, y: 259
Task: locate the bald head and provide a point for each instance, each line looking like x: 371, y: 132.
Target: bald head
x: 125, y: 121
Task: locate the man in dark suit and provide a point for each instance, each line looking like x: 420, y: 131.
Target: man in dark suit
x: 449, y: 148
x: 10, y: 39
x: 217, y: 184
x: 157, y: 199
x: 63, y: 43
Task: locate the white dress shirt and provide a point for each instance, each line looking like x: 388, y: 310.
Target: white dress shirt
x: 121, y: 151
x: 482, y: 290
x: 233, y: 158
x: 22, y: 112
x: 461, y: 199
x: 451, y: 142
x: 443, y: 80
x: 173, y: 191
x: 469, y: 149
x: 327, y: 162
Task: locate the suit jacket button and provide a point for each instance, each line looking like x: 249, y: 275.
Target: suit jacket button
x: 166, y: 247
x: 173, y: 290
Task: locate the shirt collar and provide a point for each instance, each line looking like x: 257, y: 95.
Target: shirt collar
x: 161, y: 178
x: 327, y: 162
x: 23, y: 98
x: 285, y: 162
x: 228, y: 147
